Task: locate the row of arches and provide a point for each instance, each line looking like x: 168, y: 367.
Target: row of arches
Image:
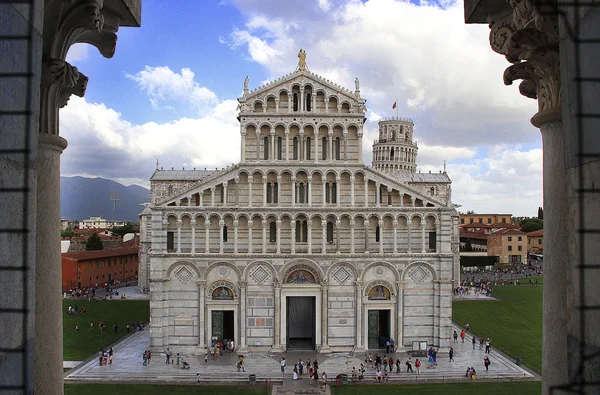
x: 302, y: 98
x: 395, y: 154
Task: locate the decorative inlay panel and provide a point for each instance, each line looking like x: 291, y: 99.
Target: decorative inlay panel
x: 260, y: 274
x: 418, y: 274
x: 183, y: 274
x: 342, y: 275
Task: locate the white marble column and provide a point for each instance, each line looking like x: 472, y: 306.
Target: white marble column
x: 201, y: 314
x: 250, y: 191
x: 338, y: 187
x: 243, y: 346
x: 331, y: 151
x: 423, y: 250
x: 243, y: 148
x: 324, y: 315
x: 389, y: 197
x: 277, y: 311
x: 179, y: 223
x: 408, y: 226
x: 345, y: 145
x: 236, y: 223
x: 224, y: 194
x: 221, y: 225
x: 324, y: 237
x: 237, y: 191
x: 212, y: 196
x: 309, y: 191
x: 193, y: 224
x: 352, y: 179
x: 250, y: 225
x: 264, y: 236
x: 277, y: 105
x: 360, y: 154
x: 338, y: 225
x: 201, y: 194
x: 400, y: 314
x: 301, y: 100
x: 326, y: 105
x: 287, y: 145
x: 401, y: 199
x: 352, y: 224
x: 293, y: 191
x: 366, y: 192
x: 358, y: 289
x: 324, y: 192
x: 377, y: 194
x: 273, y: 149
x: 293, y: 229
x: 316, y: 137
x: 395, y: 224
x: 207, y: 236
x: 381, y: 236
x: 264, y: 182
x: 278, y: 224
x: 309, y: 225
x: 278, y: 191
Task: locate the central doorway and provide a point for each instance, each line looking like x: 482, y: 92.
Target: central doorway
x: 301, y: 322
x: 379, y: 328
x: 222, y: 324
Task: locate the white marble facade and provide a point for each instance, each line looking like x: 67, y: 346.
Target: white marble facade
x: 226, y: 253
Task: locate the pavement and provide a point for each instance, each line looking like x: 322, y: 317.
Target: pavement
x: 127, y: 367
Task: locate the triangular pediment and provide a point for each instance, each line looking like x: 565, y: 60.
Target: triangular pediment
x: 302, y: 77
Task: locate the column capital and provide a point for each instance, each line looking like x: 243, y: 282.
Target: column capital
x: 278, y: 223
x: 193, y: 222
x: 250, y: 180
x: 221, y: 222
x: 395, y: 222
x: 352, y: 178
x: 352, y: 223
x: 338, y: 223
x: 264, y: 178
x: 250, y: 224
x: 279, y: 178
x: 201, y: 284
x: 213, y: 188
x: 236, y: 223
x: 179, y: 222
x: 207, y: 224
x: 323, y: 223
x: 242, y: 284
x: 264, y: 223
x: 236, y: 179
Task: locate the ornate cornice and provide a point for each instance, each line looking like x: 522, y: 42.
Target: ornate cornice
x: 529, y: 40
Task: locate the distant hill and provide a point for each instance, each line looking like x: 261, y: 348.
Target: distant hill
x: 82, y: 198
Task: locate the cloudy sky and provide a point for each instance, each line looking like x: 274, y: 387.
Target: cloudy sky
x: 170, y: 91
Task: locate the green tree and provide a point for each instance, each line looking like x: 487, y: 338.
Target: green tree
x: 94, y: 242
x: 531, y: 224
x: 67, y: 233
x: 540, y: 213
x: 122, y: 230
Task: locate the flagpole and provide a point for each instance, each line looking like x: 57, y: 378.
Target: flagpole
x: 397, y: 116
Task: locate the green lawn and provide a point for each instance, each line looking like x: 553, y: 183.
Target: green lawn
x: 514, y: 323
x: 471, y: 388
x: 154, y: 389
x: 81, y: 344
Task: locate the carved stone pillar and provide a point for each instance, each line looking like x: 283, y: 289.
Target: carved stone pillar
x: 250, y: 191
x: 423, y: 249
x: 352, y: 224
x: 278, y: 224
x: 309, y: 225
x: 250, y: 225
x: 309, y: 191
x: 277, y: 313
x: 264, y: 180
x: 358, y: 287
x: 278, y: 194
x: 338, y: 187
x: 293, y: 191
x: 264, y: 236
x: 395, y: 224
x: 212, y: 196
x: 179, y: 236
x: 243, y: 148
x: 338, y: 225
x: 324, y: 186
x: 201, y: 314
x: 207, y: 236
x: 221, y: 228
x: 360, y: 154
x: 237, y: 191
x: 193, y: 225
x: 225, y: 194
x: 381, y: 236
x: 345, y: 145
x: 400, y: 313
x: 352, y: 179
x: 243, y: 347
x: 366, y: 192
x: 324, y: 237
x: 324, y: 315
x: 287, y: 144
x: 293, y: 226
x: 408, y: 229
x: 236, y: 223
x: 331, y: 152
x: 377, y: 194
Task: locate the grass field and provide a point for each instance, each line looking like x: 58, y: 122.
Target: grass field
x: 482, y: 388
x: 81, y: 344
x: 514, y: 323
x: 501, y: 388
x: 143, y: 389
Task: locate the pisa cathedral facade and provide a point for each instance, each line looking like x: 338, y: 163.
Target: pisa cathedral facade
x: 301, y: 245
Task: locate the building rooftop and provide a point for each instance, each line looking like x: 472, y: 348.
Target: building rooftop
x: 536, y: 233
x: 408, y: 176
x: 99, y: 254
x: 180, y: 175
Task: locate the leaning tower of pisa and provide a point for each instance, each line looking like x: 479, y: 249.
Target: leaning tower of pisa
x: 395, y: 148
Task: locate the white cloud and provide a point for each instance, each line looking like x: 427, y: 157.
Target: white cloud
x: 163, y: 86
x: 78, y: 53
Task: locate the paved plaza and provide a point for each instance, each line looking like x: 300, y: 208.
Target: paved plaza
x: 127, y: 367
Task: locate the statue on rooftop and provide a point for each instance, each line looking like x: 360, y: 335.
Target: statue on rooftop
x: 302, y: 60
x: 246, y: 82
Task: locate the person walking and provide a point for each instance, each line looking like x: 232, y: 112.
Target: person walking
x: 409, y: 366
x: 488, y: 344
x: 168, y: 355
x: 398, y: 365
x: 474, y: 342
x: 462, y: 336
x: 110, y: 356
x: 486, y: 363
x: 387, y: 347
x: 455, y: 335
x: 418, y: 365
x: 100, y: 354
x: 451, y: 354
x: 282, y: 363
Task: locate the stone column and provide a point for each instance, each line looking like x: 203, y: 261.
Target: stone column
x: 235, y: 236
x: 250, y: 191
x: 345, y: 145
x: 338, y: 225
x: 273, y: 150
x: 277, y: 105
x: 358, y: 289
x: 264, y: 236
x: 352, y: 224
x: 381, y: 236
x: 338, y: 187
x: 360, y: 155
x: 316, y: 137
x: 201, y: 314
x: 278, y: 224
x: 250, y: 225
x: 395, y: 223
x: 201, y: 194
x: 264, y: 180
x: 237, y: 191
x: 414, y: 200
x: 221, y: 225
x: 225, y: 194
x: 212, y: 196
x: 301, y: 101
x: 352, y: 179
x: 423, y: 250
x: 179, y: 236
x: 243, y: 148
x: 258, y: 132
x: 389, y: 196
x: 401, y: 199
x: 278, y: 191
x: 309, y: 225
x: 189, y: 202
x: 324, y: 237
x: 400, y: 313
x: 366, y: 192
x: 324, y: 315
x: 287, y: 144
x: 377, y: 194
x: 293, y: 191
x: 207, y: 236
x: 293, y: 226
x: 309, y: 191
x: 326, y: 105
x: 243, y: 347
x: 193, y: 224
x: 331, y: 145
x: 277, y: 314
x: 408, y: 228
x: 324, y: 192
x: 48, y: 304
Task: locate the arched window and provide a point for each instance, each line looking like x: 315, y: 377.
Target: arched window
x: 266, y: 148
x: 269, y: 192
x: 295, y: 102
x: 301, y: 193
x: 224, y: 233
x: 377, y: 236
x: 308, y: 102
x: 170, y: 190
x: 337, y: 148
x: 308, y: 145
x: 273, y: 232
x: 331, y: 192
x: 279, y: 143
x: 324, y: 148
x: 392, y: 154
x: 275, y: 192
x: 295, y: 148
x: 301, y: 231
x: 330, y: 232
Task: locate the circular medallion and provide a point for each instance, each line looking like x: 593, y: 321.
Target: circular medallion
x: 223, y: 271
x: 380, y: 271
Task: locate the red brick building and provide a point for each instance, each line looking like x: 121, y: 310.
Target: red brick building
x: 85, y: 268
